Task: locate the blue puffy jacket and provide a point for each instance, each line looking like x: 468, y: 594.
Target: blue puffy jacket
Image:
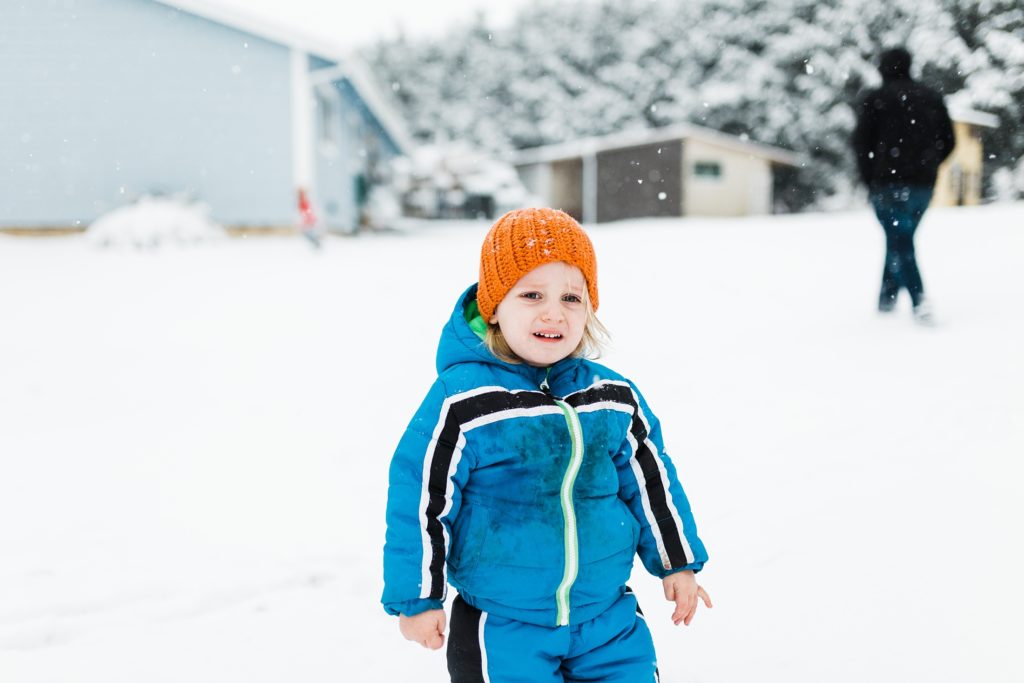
x: 529, y: 489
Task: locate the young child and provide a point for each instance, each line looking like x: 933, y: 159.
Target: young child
x: 530, y: 477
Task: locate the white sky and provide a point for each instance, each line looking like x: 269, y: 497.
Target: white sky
x: 360, y: 23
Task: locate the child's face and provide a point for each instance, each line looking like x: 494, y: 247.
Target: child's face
x: 543, y: 316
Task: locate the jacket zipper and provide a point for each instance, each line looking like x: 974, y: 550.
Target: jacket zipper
x: 572, y: 556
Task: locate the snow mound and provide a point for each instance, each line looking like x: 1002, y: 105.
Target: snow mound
x: 153, y: 221
x: 456, y: 180
x: 383, y: 207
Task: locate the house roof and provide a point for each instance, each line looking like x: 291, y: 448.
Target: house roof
x: 358, y: 74
x: 973, y: 116
x: 649, y: 136
x: 348, y: 65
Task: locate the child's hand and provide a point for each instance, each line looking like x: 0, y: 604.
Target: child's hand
x: 682, y: 589
x: 425, y: 628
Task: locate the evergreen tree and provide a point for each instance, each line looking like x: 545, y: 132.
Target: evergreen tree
x: 783, y: 72
x: 991, y: 71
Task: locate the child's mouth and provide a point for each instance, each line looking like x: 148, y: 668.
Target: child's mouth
x: 547, y: 336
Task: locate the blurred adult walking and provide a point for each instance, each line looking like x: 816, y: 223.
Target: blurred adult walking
x: 903, y: 133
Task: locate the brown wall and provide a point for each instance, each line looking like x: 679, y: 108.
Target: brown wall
x: 630, y: 181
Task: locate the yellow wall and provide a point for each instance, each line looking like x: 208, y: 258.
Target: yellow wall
x: 959, y: 179
x: 744, y: 187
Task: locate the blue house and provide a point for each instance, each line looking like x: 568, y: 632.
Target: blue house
x: 106, y: 100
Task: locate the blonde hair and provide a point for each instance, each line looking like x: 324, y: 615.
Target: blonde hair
x: 595, y: 338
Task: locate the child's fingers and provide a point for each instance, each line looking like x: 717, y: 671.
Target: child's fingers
x: 434, y: 641
x: 682, y: 601
x: 435, y: 635
x: 442, y: 619
x: 427, y: 628
x: 700, y: 596
x: 691, y: 611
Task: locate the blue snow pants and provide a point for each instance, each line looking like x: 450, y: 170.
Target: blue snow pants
x: 899, y: 209
x: 614, y: 646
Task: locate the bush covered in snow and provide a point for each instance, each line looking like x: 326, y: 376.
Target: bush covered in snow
x: 383, y: 207
x: 153, y: 221
x: 1008, y: 183
x: 457, y: 181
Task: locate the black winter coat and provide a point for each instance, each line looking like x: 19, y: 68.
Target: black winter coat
x: 903, y: 133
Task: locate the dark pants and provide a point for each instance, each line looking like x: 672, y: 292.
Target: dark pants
x: 899, y: 209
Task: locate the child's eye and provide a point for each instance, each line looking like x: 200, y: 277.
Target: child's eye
x: 572, y: 299
x: 530, y: 295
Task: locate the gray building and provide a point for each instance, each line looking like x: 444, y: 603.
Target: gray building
x: 679, y: 170
x: 105, y: 100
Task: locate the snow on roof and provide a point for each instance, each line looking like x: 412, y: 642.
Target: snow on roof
x: 298, y: 39
x: 973, y: 117
x: 250, y: 22
x: 356, y: 72
x: 649, y: 136
x: 960, y: 109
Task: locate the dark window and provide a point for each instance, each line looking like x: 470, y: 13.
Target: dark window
x: 707, y: 169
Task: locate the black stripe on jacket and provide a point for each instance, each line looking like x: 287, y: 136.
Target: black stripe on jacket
x: 647, y: 459
x: 459, y: 413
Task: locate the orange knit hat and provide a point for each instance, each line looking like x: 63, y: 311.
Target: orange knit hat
x: 523, y: 239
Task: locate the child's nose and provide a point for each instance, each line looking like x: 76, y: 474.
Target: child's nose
x: 552, y: 313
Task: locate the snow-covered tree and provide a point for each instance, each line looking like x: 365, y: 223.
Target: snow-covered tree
x: 783, y: 72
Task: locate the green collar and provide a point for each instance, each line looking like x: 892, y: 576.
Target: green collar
x: 475, y: 320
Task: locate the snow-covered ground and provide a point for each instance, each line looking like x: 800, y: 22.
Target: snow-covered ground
x: 195, y: 441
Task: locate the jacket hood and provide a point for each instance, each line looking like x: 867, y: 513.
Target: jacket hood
x: 460, y: 344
